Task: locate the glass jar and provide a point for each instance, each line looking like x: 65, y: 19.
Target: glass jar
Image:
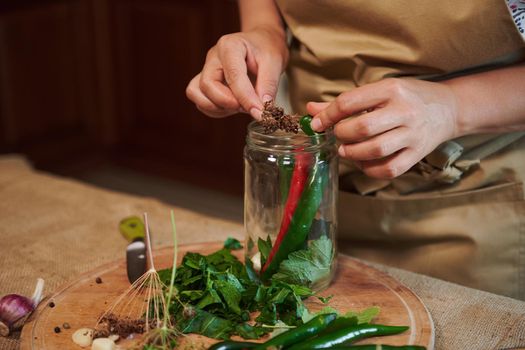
x: 290, y: 206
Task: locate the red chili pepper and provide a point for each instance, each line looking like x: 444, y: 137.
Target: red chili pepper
x: 298, y: 181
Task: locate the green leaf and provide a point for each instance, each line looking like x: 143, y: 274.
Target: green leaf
x: 249, y: 332
x: 305, y: 267
x: 192, y: 294
x: 365, y: 316
x: 264, y: 248
x: 230, y: 294
x: 268, y: 315
x: 307, y: 315
x: 324, y: 300
x: 280, y: 296
x: 208, y: 325
x: 211, y: 297
x: 250, y: 271
x: 232, y: 244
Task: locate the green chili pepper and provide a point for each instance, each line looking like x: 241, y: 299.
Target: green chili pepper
x: 340, y: 323
x: 299, y: 215
x: 379, y: 347
x: 348, y: 335
x: 305, y: 123
x: 233, y: 345
x: 303, y: 332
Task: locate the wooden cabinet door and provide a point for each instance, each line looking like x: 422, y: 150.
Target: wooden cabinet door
x: 48, y: 102
x: 159, y: 46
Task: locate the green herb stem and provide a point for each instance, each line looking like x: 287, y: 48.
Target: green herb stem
x: 173, y: 269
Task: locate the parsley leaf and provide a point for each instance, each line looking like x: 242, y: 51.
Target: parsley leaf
x: 232, y: 244
x: 305, y: 267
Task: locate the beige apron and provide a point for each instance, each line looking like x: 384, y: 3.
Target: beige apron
x: 459, y: 214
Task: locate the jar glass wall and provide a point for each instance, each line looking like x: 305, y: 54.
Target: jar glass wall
x: 290, y: 206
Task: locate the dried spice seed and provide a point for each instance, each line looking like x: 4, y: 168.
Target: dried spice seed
x: 66, y: 325
x: 57, y: 329
x: 51, y: 304
x: 274, y: 118
x: 98, y: 280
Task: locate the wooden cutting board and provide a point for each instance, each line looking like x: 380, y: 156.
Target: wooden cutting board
x: 355, y: 287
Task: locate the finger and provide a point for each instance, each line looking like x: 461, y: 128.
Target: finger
x: 268, y: 76
x: 391, y: 166
x: 349, y: 103
x: 367, y: 125
x: 212, y: 86
x: 377, y: 147
x: 219, y: 113
x: 203, y: 103
x: 314, y: 108
x: 232, y: 55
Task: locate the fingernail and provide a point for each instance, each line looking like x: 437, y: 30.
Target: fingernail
x: 316, y: 124
x: 267, y: 98
x: 256, y: 113
x: 341, y: 151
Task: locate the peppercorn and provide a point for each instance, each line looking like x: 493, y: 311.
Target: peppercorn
x: 57, y: 329
x: 98, y: 280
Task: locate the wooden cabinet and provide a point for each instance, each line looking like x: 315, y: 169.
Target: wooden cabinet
x: 48, y: 106
x: 159, y: 46
x: 107, y: 78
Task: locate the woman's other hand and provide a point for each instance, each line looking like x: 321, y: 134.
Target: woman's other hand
x: 394, y: 123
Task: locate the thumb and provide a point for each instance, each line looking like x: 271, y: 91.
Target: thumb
x: 268, y: 76
x: 314, y: 108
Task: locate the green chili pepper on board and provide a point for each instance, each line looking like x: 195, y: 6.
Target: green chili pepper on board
x: 340, y: 323
x: 348, y: 335
x: 296, y: 335
x: 379, y: 347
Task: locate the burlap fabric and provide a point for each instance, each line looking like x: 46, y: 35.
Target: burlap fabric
x: 57, y: 228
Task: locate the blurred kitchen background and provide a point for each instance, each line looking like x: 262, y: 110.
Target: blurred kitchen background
x: 95, y: 90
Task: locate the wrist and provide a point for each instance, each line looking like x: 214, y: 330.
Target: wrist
x: 458, y: 113
x: 260, y: 13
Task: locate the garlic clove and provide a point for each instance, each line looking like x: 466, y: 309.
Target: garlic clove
x: 83, y: 337
x: 103, y: 344
x: 256, y: 261
x: 4, y: 329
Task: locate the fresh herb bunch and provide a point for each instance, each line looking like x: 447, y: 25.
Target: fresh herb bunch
x: 216, y: 295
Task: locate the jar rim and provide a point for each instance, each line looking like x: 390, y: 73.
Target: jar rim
x: 287, y: 141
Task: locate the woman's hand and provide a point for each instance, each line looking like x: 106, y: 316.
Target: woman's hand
x: 395, y: 123
x: 224, y: 86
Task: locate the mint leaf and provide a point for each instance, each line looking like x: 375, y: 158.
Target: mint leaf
x: 307, y: 266
x: 264, y: 248
x: 307, y: 315
x: 207, y: 324
x: 232, y: 244
x: 365, y: 316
